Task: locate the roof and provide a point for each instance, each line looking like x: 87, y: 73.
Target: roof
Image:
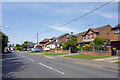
x: 53, y: 37
x: 118, y: 26
x: 45, y: 40
x: 96, y: 30
x: 58, y: 37
x: 80, y: 34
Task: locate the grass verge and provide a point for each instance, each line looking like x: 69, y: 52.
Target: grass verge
x: 83, y: 56
x: 55, y: 54
x: 118, y: 62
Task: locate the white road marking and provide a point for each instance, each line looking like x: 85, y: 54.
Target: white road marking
x: 24, y: 56
x: 30, y: 59
x: 51, y: 68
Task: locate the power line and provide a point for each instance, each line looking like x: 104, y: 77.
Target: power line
x: 79, y: 17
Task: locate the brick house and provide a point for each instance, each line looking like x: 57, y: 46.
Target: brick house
x: 115, y: 37
x: 53, y: 43
x: 42, y: 43
x: 88, y: 36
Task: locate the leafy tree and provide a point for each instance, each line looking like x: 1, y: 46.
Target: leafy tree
x: 18, y: 47
x: 98, y: 41
x: 72, y: 42
x: 4, y: 40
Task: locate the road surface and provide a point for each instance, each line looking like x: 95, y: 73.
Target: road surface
x: 24, y: 65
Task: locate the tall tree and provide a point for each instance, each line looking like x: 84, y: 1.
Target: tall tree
x: 4, y: 40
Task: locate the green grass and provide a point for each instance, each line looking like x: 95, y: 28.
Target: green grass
x: 88, y: 57
x: 118, y: 62
x: 44, y: 51
x: 55, y: 54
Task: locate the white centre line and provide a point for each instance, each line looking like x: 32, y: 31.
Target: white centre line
x: 51, y: 68
x: 23, y: 56
x: 30, y: 59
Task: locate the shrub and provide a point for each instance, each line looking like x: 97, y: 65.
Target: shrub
x: 58, y: 48
x: 114, y: 50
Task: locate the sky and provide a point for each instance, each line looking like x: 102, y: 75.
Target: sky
x: 26, y: 19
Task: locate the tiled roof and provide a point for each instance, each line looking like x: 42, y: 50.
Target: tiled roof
x: 82, y: 33
x: 118, y: 26
x: 96, y: 30
x: 57, y: 38
x: 99, y: 28
x: 45, y: 40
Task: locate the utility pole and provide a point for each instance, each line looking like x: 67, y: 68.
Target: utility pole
x: 37, y: 39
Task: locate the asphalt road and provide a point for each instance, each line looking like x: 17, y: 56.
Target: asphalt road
x: 24, y: 65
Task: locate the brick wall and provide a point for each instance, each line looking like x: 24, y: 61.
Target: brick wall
x: 96, y: 53
x: 60, y: 51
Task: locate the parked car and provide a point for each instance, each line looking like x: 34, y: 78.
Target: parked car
x: 36, y: 50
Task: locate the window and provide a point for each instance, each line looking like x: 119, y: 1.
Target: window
x: 66, y: 39
x: 92, y: 35
x: 88, y: 36
x: 84, y: 37
x: 117, y: 30
x: 56, y: 40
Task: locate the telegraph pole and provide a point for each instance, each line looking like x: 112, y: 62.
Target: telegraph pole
x: 37, y: 39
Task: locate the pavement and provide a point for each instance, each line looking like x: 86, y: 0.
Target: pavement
x: 24, y: 65
x: 112, y: 59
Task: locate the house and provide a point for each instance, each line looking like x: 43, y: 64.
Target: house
x: 53, y: 43
x: 80, y: 38
x: 115, y: 37
x: 42, y: 43
x: 88, y: 36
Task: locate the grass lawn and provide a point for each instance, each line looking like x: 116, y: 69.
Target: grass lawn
x: 88, y: 57
x: 118, y: 62
x: 55, y: 54
x: 44, y: 51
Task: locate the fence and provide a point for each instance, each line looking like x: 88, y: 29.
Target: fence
x: 60, y: 51
x: 96, y: 52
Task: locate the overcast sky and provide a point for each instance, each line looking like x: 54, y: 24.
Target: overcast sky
x: 26, y: 19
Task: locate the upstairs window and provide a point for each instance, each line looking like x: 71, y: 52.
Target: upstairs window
x: 56, y: 40
x: 92, y: 35
x: 117, y: 31
x: 84, y: 37
x: 88, y: 36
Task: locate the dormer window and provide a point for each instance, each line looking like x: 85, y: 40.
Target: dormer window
x: 92, y: 35
x: 67, y: 35
x: 117, y: 31
x: 66, y: 39
x: 56, y: 40
x: 84, y: 37
x: 88, y: 36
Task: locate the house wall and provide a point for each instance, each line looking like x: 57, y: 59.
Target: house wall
x: 113, y: 36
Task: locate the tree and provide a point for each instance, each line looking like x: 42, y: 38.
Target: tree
x: 98, y: 41
x: 72, y: 42
x: 18, y: 47
x: 4, y: 40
